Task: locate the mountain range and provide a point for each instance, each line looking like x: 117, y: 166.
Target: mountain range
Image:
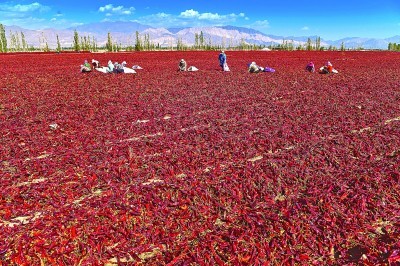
x: 124, y: 33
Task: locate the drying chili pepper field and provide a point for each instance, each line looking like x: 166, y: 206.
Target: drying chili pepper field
x: 200, y: 168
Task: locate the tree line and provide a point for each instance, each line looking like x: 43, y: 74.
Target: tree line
x: 310, y: 45
x: 392, y: 46
x: 17, y: 43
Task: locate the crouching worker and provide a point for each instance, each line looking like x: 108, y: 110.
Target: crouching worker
x: 110, y: 67
x: 182, y: 65
x: 86, y: 67
x: 119, y: 68
x: 95, y: 63
x: 254, y: 68
x: 310, y: 67
x: 327, y: 69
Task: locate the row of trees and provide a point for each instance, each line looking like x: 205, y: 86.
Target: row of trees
x: 81, y: 43
x: 310, y: 45
x: 394, y: 46
x: 17, y: 42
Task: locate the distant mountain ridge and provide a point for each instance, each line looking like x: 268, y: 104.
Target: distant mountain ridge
x: 105, y: 27
x: 124, y: 33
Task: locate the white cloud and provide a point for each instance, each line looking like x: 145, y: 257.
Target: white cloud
x: 24, y: 8
x: 106, y: 7
x: 193, y: 14
x: 118, y: 10
x: 24, y: 15
x: 189, y: 14
x: 305, y: 28
x: 190, y: 18
x: 210, y: 16
x: 8, y: 10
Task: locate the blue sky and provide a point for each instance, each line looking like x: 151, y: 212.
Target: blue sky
x: 331, y: 20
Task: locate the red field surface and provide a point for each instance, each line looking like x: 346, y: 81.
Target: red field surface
x: 202, y: 168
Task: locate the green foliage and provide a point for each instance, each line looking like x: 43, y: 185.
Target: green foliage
x: 24, y: 43
x: 3, y: 39
x: 109, y: 44
x: 138, y: 43
x: 201, y: 40
x: 94, y: 45
x: 342, y: 47
x: 58, y: 44
x: 394, y: 46
x: 75, y: 44
x: 309, y: 46
x: 14, y: 42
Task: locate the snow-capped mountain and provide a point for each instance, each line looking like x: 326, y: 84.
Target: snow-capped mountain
x: 124, y: 33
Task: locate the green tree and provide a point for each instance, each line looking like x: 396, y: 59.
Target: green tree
x: 109, y: 44
x: 342, y: 47
x: 85, y: 43
x: 201, y: 40
x: 75, y: 44
x: 146, y: 44
x: 138, y: 44
x: 209, y: 45
x: 24, y: 43
x: 43, y: 43
x: 94, y: 45
x: 309, y: 45
x: 58, y: 44
x: 290, y: 46
x: 13, y: 42
x: 392, y: 46
x: 179, y: 44
x: 318, y: 43
x: 3, y: 39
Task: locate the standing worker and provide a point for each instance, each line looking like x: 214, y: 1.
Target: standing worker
x: 222, y: 61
